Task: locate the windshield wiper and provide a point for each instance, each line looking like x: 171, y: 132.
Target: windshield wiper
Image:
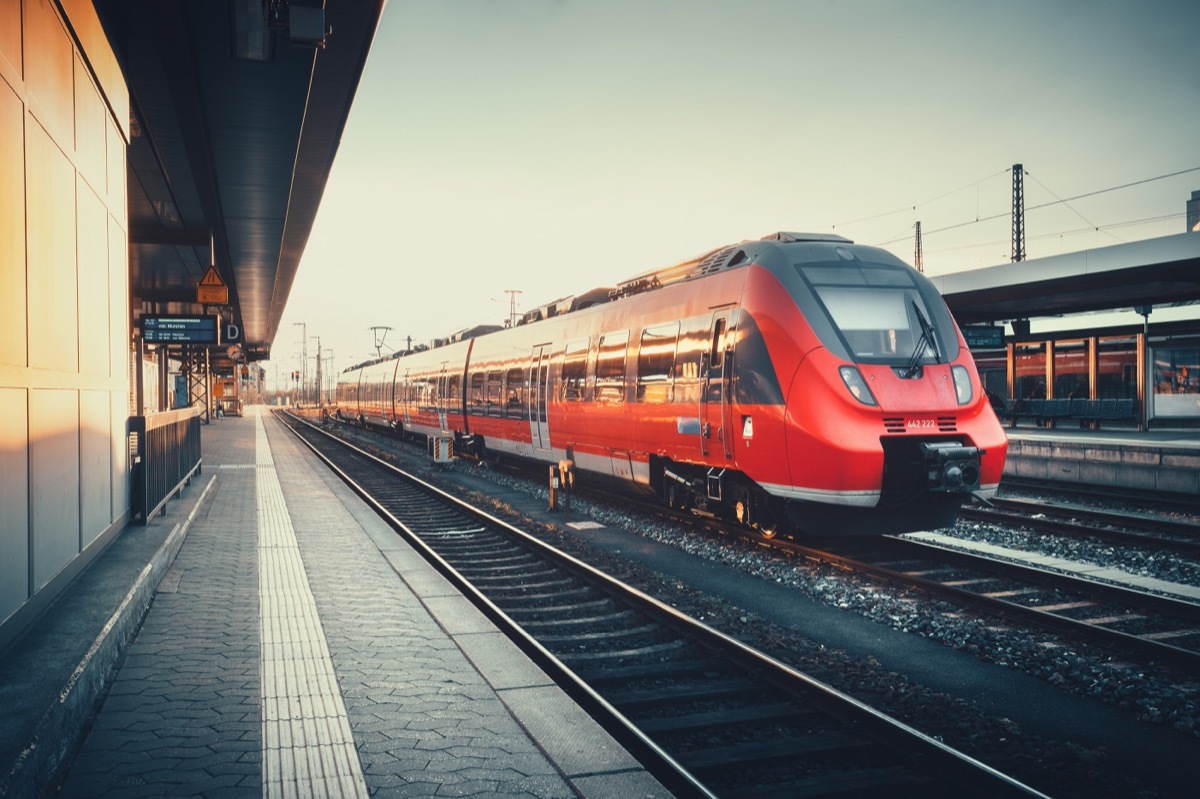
x: 928, y: 339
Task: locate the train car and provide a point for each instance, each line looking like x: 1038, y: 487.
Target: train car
x: 797, y: 383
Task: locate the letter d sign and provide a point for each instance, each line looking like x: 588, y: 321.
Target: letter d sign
x: 233, y: 334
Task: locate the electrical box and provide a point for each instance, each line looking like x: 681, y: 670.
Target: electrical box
x: 441, y: 449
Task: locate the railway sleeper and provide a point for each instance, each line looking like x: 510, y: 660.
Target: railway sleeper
x: 720, y: 690
x: 562, y: 610
x: 507, y: 578
x: 610, y: 618
x: 447, y: 536
x: 475, y: 548
x: 819, y: 748
x: 892, y: 782
x: 508, y: 559
x: 694, y: 722
x: 572, y: 658
x: 508, y: 568
x: 609, y: 635
x: 658, y: 670
x: 557, y: 582
x: 520, y: 595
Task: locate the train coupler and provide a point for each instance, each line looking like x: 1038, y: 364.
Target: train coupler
x: 952, y: 467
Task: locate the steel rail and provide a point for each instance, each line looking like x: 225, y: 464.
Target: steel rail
x: 1161, y: 499
x: 1177, y: 536
x: 1008, y: 609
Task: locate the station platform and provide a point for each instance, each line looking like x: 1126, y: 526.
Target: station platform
x: 269, y: 636
x: 1165, y: 460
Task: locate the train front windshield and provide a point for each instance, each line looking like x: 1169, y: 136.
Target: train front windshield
x: 881, y: 313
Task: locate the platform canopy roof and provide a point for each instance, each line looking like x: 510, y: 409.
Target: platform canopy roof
x: 237, y: 109
x: 1155, y: 272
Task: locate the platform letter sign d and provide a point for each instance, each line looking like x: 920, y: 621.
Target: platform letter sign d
x: 233, y: 334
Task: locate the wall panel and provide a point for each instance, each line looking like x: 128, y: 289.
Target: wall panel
x: 12, y: 227
x: 64, y: 299
x: 10, y: 34
x: 116, y: 172
x: 50, y: 233
x: 95, y: 465
x: 118, y: 276
x: 54, y: 480
x: 49, y: 73
x: 95, y: 336
x: 91, y: 150
x: 14, y: 499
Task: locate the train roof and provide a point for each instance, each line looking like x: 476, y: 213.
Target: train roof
x: 718, y: 260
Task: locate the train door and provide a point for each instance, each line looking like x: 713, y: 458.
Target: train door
x: 715, y: 413
x: 443, y: 398
x: 403, y: 396
x: 539, y: 389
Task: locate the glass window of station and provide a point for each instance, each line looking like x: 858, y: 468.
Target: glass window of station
x: 1066, y: 369
x: 1175, y: 371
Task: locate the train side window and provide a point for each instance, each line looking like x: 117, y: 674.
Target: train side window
x: 454, y: 392
x: 494, y: 392
x: 476, y: 396
x: 610, y: 367
x: 693, y: 343
x: 574, y: 370
x: 656, y: 362
x: 514, y: 394
x: 716, y: 357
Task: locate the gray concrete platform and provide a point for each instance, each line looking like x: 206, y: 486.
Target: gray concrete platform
x: 1153, y: 460
x: 294, y: 646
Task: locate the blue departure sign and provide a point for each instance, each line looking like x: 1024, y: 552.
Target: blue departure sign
x: 180, y: 329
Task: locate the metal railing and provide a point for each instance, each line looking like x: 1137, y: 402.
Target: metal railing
x: 165, y: 449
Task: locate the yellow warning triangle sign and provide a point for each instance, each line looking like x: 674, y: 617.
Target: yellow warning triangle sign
x: 211, y: 278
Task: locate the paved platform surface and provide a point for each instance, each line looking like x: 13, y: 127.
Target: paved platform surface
x: 1162, y: 437
x: 294, y: 647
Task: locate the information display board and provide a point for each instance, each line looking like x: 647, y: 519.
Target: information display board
x: 181, y: 329
x: 984, y: 337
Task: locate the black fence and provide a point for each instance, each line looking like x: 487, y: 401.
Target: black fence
x: 165, y: 449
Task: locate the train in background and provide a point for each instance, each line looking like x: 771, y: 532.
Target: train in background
x: 798, y: 383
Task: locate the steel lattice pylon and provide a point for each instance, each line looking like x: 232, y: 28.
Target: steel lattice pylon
x: 1018, y: 213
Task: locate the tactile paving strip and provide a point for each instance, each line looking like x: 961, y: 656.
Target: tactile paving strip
x: 308, y: 749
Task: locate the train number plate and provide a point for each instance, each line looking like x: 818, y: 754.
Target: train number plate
x: 920, y: 424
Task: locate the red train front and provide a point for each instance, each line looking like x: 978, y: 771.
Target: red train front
x: 796, y: 383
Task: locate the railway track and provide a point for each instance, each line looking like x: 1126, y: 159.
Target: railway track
x: 706, y: 714
x: 1119, y: 618
x: 1166, y: 501
x: 1136, y: 623
x: 1123, y: 529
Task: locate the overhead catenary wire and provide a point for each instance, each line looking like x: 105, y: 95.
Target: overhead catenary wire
x: 980, y: 245
x: 1057, y: 201
x: 975, y: 183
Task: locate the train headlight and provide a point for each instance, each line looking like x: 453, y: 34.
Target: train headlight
x: 858, y: 387
x: 962, y: 384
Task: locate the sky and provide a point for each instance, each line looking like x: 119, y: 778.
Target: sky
x: 548, y: 147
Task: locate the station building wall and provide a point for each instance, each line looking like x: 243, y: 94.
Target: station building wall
x: 64, y: 300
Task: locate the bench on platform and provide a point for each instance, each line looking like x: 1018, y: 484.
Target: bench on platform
x: 1089, y: 412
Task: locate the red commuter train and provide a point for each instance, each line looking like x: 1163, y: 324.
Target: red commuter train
x: 798, y: 383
